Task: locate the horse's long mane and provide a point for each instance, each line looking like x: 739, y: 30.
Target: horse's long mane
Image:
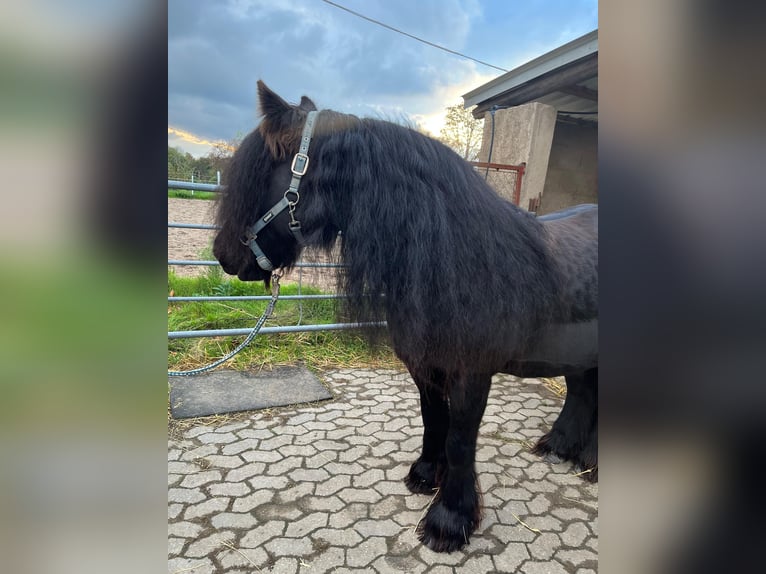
x: 464, y: 273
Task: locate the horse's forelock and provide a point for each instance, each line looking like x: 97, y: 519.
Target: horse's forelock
x: 282, y: 134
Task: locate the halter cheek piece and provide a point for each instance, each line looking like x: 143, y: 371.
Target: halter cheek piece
x: 289, y: 200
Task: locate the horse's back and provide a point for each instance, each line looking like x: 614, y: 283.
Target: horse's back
x: 589, y: 208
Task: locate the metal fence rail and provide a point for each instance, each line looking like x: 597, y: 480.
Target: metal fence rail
x: 174, y: 184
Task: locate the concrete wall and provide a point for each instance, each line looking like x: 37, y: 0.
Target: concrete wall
x: 523, y: 134
x: 572, y: 176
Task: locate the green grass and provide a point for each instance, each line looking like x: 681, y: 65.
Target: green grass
x: 321, y: 349
x: 189, y: 194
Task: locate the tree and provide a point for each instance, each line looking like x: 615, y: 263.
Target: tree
x: 180, y: 164
x: 462, y: 132
x: 222, y: 152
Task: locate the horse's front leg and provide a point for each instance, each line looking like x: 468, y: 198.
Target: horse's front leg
x: 426, y: 471
x: 456, y: 510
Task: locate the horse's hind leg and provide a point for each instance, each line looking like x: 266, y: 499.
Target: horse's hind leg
x: 425, y: 472
x: 455, y: 511
x: 574, y: 435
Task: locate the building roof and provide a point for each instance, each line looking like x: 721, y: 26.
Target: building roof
x: 565, y: 78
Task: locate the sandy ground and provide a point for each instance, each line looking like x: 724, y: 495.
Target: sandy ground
x: 188, y: 244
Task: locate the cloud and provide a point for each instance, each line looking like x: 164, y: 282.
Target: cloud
x: 218, y: 50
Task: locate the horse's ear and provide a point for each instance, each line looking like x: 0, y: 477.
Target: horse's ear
x: 281, y: 123
x: 307, y: 104
x: 271, y: 105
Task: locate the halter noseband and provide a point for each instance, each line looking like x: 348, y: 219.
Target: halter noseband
x: 289, y: 200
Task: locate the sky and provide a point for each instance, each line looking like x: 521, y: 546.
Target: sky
x: 218, y: 49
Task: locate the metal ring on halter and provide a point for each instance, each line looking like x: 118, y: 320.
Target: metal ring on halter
x: 297, y: 196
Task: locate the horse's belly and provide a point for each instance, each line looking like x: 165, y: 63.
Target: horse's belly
x: 562, y: 349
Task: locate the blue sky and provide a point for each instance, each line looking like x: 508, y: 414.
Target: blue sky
x: 217, y: 50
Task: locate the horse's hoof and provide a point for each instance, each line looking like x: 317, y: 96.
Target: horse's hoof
x: 554, y: 448
x: 552, y: 458
x: 444, y: 530
x: 422, y: 478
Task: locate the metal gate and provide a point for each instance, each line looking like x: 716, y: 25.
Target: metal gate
x: 174, y: 184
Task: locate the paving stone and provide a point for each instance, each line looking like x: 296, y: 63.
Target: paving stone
x: 178, y: 467
x: 430, y: 557
x: 196, y: 565
x: 511, y: 558
x: 296, y: 492
x: 543, y: 568
x: 200, y: 478
x: 378, y: 527
x: 209, y: 506
x: 248, y: 503
x: 262, y: 533
x: 244, y: 472
x: 514, y: 532
x: 275, y: 443
x: 348, y: 515
x: 320, y: 459
x: 222, y: 461
x: 338, y: 536
x: 217, y: 438
x: 269, y: 482
x: 284, y: 466
x: 570, y: 513
x: 256, y: 433
x: 285, y: 566
x: 199, y: 452
x: 184, y: 529
x: 241, y: 446
x: 327, y: 561
x: 174, y: 510
x: 247, y: 559
x: 364, y: 553
x: 197, y: 430
x: 229, y: 489
x: 175, y: 545
x: 368, y: 478
x: 279, y: 512
x: 290, y: 546
x: 234, y: 520
x: 396, y: 564
x: 208, y: 545
x: 323, y: 504
x: 333, y: 485
x: 367, y: 495
x: 475, y: 565
x: 306, y: 525
x: 313, y: 475
x: 261, y: 456
x: 576, y: 557
x: 185, y: 495
x: 575, y: 534
x: 544, y: 546
x: 298, y: 450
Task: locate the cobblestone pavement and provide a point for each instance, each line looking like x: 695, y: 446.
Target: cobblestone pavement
x: 318, y: 488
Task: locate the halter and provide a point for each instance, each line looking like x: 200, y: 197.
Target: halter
x: 289, y: 200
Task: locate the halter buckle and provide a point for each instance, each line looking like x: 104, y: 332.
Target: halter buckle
x: 300, y: 164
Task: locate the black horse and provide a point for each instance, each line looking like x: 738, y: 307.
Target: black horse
x: 471, y: 285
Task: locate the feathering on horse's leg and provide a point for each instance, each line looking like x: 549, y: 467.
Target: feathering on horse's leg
x: 574, y: 436
x: 426, y: 471
x: 456, y: 511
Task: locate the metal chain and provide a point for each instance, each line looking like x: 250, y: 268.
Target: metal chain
x: 275, y: 277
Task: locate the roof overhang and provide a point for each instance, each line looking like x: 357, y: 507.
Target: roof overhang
x: 566, y: 78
